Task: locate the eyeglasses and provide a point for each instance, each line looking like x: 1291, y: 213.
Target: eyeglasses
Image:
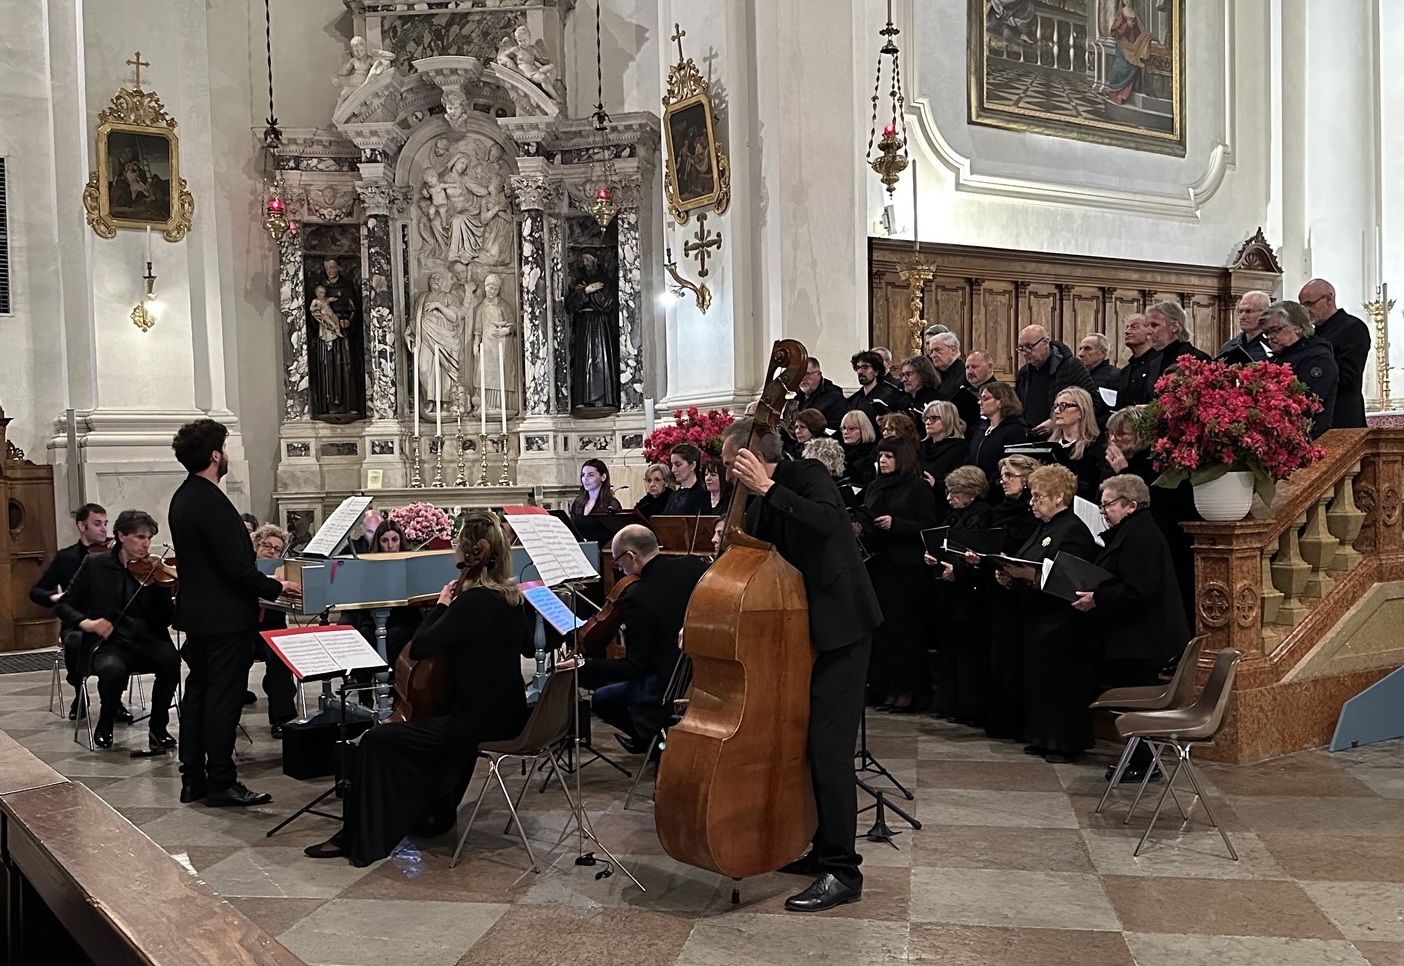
x: 1112, y: 503
x: 1026, y: 349
x: 1059, y: 407
x: 933, y: 418
x: 271, y: 545
x: 1034, y: 495
x: 1310, y: 302
x: 1273, y: 329
x: 862, y: 365
x: 1011, y: 476
x: 907, y: 373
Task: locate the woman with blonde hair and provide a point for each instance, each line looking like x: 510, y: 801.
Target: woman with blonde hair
x: 944, y: 448
x: 1004, y: 702
x: 417, y: 771
x: 1077, y: 441
x: 859, y: 447
x: 961, y: 667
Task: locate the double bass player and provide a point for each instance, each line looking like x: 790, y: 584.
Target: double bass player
x: 797, y: 508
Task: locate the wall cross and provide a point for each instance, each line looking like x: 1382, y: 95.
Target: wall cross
x: 704, y: 240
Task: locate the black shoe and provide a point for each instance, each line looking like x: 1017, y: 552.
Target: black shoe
x: 329, y: 849
x: 1058, y: 758
x: 160, y: 740
x: 123, y: 715
x: 629, y: 744
x: 823, y: 893
x: 806, y: 864
x: 1136, y: 774
x: 1035, y: 751
x: 192, y: 791
x: 102, y: 734
x: 78, y: 709
x: 276, y: 731
x: 250, y: 698
x: 236, y: 795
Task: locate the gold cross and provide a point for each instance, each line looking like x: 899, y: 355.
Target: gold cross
x: 138, y: 64
x: 698, y: 248
x: 678, y: 35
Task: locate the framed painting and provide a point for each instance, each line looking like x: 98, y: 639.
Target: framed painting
x: 693, y: 166
x: 1105, y: 71
x: 137, y: 183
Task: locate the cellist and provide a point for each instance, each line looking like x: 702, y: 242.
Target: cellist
x: 412, y: 774
x: 799, y: 510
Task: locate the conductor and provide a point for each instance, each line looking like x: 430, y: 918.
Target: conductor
x: 798, y: 508
x: 217, y: 608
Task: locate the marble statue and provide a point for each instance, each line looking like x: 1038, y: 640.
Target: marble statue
x: 498, y: 226
x: 384, y: 63
x: 527, y: 59
x: 355, y: 71
x: 464, y: 191
x: 493, y: 332
x: 334, y: 312
x: 594, y: 357
x: 456, y: 109
x: 438, y: 327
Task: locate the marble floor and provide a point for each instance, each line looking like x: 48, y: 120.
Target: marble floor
x: 1013, y: 866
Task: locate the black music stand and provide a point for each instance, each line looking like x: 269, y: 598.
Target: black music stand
x: 341, y: 781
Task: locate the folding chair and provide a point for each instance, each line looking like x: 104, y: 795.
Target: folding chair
x: 675, y: 698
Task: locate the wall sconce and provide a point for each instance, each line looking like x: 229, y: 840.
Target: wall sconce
x: 701, y: 294
x: 148, y: 310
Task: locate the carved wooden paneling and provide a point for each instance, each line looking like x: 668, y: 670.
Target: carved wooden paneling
x: 952, y: 308
x: 1042, y: 309
x: 997, y: 325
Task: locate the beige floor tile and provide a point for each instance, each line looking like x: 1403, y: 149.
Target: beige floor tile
x: 952, y: 945
x: 1362, y: 910
x: 992, y: 847
x: 276, y: 916
x: 276, y: 873
x: 1012, y: 776
x: 1163, y: 949
x: 1384, y: 782
x: 1193, y: 854
x: 965, y: 806
x: 1031, y: 900
x: 744, y: 939
x: 1243, y: 907
x: 356, y: 932
x: 530, y: 935
x: 1361, y: 816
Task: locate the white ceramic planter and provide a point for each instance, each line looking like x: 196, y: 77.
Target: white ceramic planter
x: 1226, y: 499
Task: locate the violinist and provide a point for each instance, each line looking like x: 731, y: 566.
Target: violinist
x: 126, y: 617
x: 405, y: 771
x: 798, y: 508
x: 91, y: 522
x: 629, y: 691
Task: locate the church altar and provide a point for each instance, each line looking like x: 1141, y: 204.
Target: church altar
x: 446, y: 286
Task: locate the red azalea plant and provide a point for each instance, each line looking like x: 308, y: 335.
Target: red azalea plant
x: 1209, y: 418
x: 702, y: 430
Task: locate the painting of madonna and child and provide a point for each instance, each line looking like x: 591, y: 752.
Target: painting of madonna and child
x: 1106, y: 71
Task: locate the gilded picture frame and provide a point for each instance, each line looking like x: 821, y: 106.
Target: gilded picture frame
x: 137, y: 183
x: 694, y: 166
x: 1113, y: 76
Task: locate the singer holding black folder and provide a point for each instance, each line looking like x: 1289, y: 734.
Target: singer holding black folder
x: 1059, y: 648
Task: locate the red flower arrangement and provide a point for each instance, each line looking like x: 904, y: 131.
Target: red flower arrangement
x: 702, y: 430
x: 423, y: 523
x: 1209, y: 418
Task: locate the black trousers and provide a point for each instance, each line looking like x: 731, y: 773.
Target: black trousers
x: 112, y: 662
x: 633, y: 707
x: 279, y: 685
x: 214, y: 698
x: 1132, y: 672
x: 836, y: 689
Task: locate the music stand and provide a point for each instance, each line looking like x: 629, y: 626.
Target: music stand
x: 323, y: 654
x: 691, y: 535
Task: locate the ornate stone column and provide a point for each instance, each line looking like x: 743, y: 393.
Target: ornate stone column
x: 378, y: 196
x: 532, y: 191
x: 291, y: 299
x: 631, y: 378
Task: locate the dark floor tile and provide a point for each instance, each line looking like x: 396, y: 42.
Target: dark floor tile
x: 1005, y: 776
x: 995, y: 847
x: 1310, y: 774
x: 276, y: 916
x: 953, y: 945
x: 531, y: 935
x: 1382, y: 954
x: 1238, y: 907
x: 1339, y: 858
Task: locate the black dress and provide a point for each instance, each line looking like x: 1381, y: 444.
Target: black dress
x: 1059, y: 643
x: 590, y: 528
x: 401, y: 769
x: 987, y: 449
x: 902, y: 582
x: 689, y: 501
x: 1004, y: 702
x: 1087, y: 467
x: 1171, y: 506
x: 938, y: 457
x: 860, y: 463
x: 962, y: 641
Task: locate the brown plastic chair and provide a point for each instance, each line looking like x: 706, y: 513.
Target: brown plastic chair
x: 1183, y: 728
x: 1175, y: 693
x: 548, y: 725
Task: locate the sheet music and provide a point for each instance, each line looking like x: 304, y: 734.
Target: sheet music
x: 551, y: 607
x: 337, y: 525
x: 551, y: 547
x: 324, y: 651
x: 1108, y: 396
x: 1091, y: 514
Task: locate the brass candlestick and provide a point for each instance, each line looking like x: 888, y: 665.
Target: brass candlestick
x: 415, y: 480
x: 439, y: 463
x: 483, y: 459
x: 506, y: 478
x: 1379, y: 310
x: 916, y: 275
x: 462, y: 478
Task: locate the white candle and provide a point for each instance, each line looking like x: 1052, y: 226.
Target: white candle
x: 415, y: 400
x: 648, y: 416
x: 482, y: 394
x: 148, y: 244
x: 1379, y: 255
x: 502, y: 386
x: 438, y: 398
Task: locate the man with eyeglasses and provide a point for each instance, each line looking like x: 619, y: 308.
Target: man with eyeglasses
x: 943, y: 349
x: 1049, y: 368
x: 1288, y: 330
x: 819, y: 393
x: 1250, y: 336
x: 873, y: 397
x: 1137, y: 388
x: 919, y: 380
x: 1349, y: 339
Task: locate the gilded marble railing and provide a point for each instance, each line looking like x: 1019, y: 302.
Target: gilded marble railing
x: 1275, y: 584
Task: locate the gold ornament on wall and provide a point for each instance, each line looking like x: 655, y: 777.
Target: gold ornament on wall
x: 697, y: 173
x: 137, y: 183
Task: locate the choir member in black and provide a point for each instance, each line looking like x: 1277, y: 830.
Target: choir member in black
x: 809, y: 424
x: 1092, y: 352
x: 91, y: 523
x: 658, y: 484
x: 943, y: 351
x: 402, y: 772
x: 629, y: 691
x: 690, y: 497
x: 899, y: 505
x: 217, y: 608
x: 1137, y: 387
x: 1001, y: 425
x: 1058, y: 642
x: 898, y: 424
x: 1138, y: 611
x: 874, y: 396
x: 128, y: 622
x: 1004, y: 709
x: 402, y: 622
x: 718, y: 491
x: 859, y: 439
x: 962, y: 640
x: 799, y: 510
x: 1049, y: 368
x: 919, y: 380
x: 270, y: 542
x: 943, y: 448
x: 1293, y: 341
x: 819, y: 393
x: 369, y: 524
x: 829, y: 452
x: 596, y: 497
x: 1349, y: 338
x: 1169, y: 335
x: 1250, y: 335
x: 1077, y: 442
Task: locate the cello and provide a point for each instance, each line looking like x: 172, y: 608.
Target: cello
x: 734, y: 793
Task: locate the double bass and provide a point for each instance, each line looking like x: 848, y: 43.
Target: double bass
x: 734, y: 793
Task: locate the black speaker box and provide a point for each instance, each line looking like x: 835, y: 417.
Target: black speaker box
x: 309, y: 747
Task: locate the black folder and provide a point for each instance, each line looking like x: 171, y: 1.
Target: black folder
x: 978, y: 541
x: 934, y: 540
x: 1237, y: 356
x: 1071, y: 575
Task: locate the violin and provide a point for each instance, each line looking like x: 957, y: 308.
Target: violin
x: 101, y: 547
x: 151, y: 570
x: 594, y: 636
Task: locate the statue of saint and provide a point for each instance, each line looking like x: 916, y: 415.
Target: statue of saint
x: 355, y: 71
x: 594, y: 358
x: 465, y: 193
x: 334, y: 313
x: 527, y: 59
x: 494, y: 331
x: 438, y: 327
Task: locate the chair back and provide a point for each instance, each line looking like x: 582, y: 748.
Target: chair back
x: 1218, y: 692
x: 679, y: 683
x: 550, y: 718
x: 1182, y: 681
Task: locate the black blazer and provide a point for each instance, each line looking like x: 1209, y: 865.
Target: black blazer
x: 1314, y: 365
x: 648, y: 504
x: 1350, y: 341
x: 60, y: 573
x: 220, y: 585
x: 803, y: 515
x: 690, y: 501
x: 1137, y: 384
x: 653, y: 611
x: 1139, y: 609
x: 105, y: 588
x: 987, y: 449
x: 1064, y: 533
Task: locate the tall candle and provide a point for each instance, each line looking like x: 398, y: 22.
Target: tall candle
x: 438, y: 398
x: 1379, y: 255
x: 482, y: 394
x: 502, y: 386
x: 148, y: 244
x: 415, y: 394
x: 648, y: 416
